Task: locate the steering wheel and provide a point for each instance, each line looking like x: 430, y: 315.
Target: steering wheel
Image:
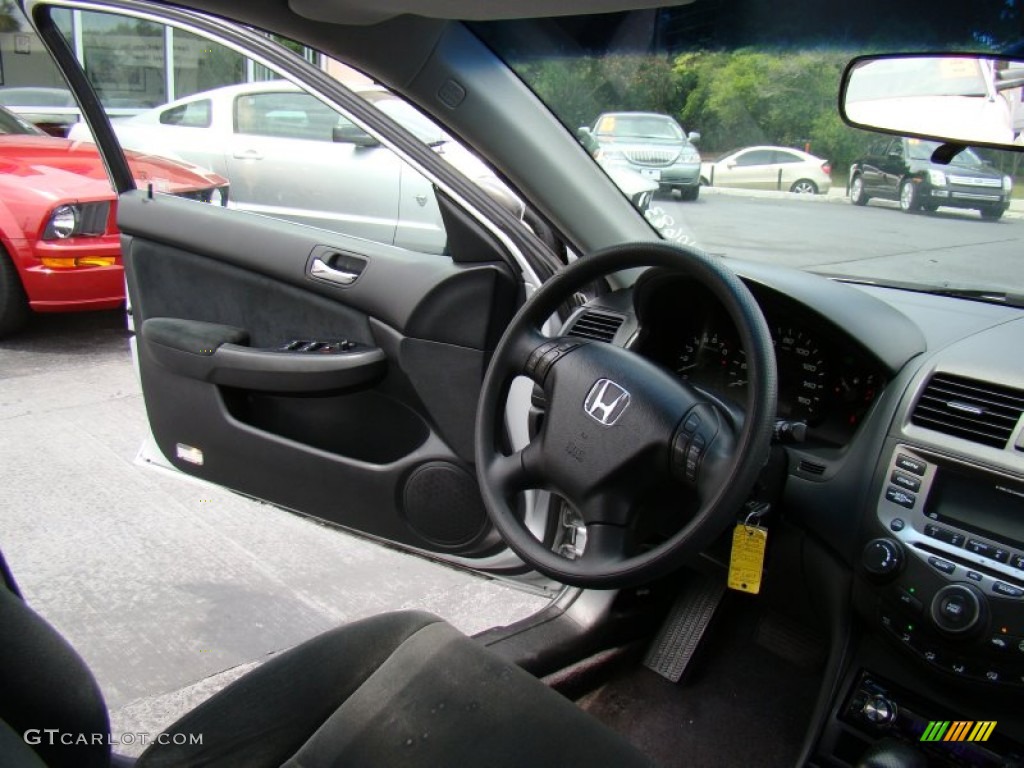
x: 616, y: 424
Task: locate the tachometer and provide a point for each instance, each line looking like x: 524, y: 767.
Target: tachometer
x: 703, y: 358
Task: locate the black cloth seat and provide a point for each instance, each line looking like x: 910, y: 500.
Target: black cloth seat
x: 398, y: 689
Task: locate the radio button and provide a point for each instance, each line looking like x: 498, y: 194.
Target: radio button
x: 898, y: 524
x: 974, y: 576
x: 1007, y: 590
x: 957, y: 608
x: 942, y: 565
x: 910, y: 464
x: 944, y: 534
x: 1017, y: 561
x: 901, y: 497
x: 906, y: 481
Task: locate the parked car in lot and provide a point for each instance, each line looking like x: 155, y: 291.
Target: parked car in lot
x: 274, y: 141
x: 53, y: 110
x: 777, y: 168
x: 650, y: 144
x: 902, y: 169
x: 775, y: 490
x: 60, y: 245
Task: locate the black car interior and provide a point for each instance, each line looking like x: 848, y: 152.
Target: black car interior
x: 871, y: 438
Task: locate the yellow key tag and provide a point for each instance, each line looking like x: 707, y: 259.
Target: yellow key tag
x: 747, y: 561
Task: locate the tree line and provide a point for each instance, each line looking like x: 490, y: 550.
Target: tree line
x: 733, y: 99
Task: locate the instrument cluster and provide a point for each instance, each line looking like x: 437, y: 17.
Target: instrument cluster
x: 826, y: 380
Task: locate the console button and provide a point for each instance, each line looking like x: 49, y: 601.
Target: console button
x: 944, y: 534
x: 906, y: 481
x: 958, y: 667
x: 908, y: 600
x: 910, y: 464
x: 1001, y: 643
x: 942, y: 565
x: 957, y: 608
x: 897, y: 524
x: 1007, y: 590
x: 901, y: 497
x: 987, y: 550
x: 974, y: 576
x: 1017, y: 561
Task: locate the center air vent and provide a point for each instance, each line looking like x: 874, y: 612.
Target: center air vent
x: 592, y: 324
x: 973, y: 410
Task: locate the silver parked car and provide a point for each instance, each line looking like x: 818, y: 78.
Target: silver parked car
x: 291, y: 156
x: 650, y: 144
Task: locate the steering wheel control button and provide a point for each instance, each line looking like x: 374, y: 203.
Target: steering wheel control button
x: 546, y: 355
x: 910, y: 464
x: 906, y: 481
x: 691, y: 424
x: 1003, y: 589
x: 957, y: 609
x: 942, y: 565
x: 897, y: 524
x: 901, y: 497
x: 882, y: 558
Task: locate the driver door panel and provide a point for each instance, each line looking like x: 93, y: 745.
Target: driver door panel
x: 373, y: 429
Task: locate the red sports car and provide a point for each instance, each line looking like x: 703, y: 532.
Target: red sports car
x: 59, y: 245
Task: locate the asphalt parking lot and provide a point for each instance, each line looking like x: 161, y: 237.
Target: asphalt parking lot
x: 170, y: 588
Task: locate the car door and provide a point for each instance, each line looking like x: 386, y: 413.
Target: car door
x: 324, y: 372
x: 872, y: 169
x: 293, y: 157
x: 750, y: 169
x: 893, y: 165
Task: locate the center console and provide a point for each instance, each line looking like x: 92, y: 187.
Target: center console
x: 944, y: 576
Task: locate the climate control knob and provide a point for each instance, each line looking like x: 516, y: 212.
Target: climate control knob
x: 958, y: 609
x: 882, y: 558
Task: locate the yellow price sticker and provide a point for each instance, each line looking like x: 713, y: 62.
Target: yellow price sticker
x: 746, y: 564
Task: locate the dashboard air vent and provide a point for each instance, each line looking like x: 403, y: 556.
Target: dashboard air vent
x: 812, y: 467
x: 973, y: 410
x: 592, y: 324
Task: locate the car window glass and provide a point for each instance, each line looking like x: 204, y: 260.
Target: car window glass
x: 284, y: 152
x: 786, y: 157
x: 194, y: 114
x: 286, y: 115
x: 755, y: 157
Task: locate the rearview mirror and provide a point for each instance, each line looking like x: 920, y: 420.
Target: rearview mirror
x: 955, y: 98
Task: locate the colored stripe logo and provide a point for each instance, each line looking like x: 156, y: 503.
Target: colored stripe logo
x: 958, y: 730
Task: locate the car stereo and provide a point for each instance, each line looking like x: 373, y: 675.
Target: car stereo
x: 943, y: 570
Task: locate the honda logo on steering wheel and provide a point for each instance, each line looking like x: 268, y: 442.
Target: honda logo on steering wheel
x: 606, y: 402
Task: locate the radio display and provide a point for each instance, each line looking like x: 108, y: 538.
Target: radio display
x: 984, y: 504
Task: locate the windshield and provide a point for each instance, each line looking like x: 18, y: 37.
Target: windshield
x: 639, y: 127
x: 920, y: 149
x: 718, y: 68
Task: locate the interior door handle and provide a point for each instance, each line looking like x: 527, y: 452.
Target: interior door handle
x: 337, y: 267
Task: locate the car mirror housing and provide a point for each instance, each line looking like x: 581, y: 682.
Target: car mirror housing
x: 955, y: 98
x: 347, y: 133
x: 693, y: 137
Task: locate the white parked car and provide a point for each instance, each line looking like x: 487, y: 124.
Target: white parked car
x: 778, y: 168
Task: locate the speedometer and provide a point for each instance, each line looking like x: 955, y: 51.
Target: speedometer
x: 802, y: 374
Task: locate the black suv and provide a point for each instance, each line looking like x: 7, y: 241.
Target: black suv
x: 902, y: 169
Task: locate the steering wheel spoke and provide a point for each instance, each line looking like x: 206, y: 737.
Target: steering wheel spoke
x: 518, y: 472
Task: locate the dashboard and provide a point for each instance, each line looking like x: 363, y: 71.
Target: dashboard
x: 907, y: 494
x: 827, y: 380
